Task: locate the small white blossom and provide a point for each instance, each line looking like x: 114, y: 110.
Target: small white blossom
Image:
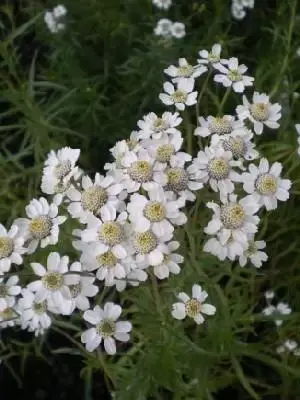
x: 170, y: 261
x: 42, y: 224
x: 178, y: 30
x: 54, y: 282
x: 212, y: 57
x: 193, y: 307
x: 217, y: 125
x: 33, y: 315
x: 163, y: 28
x: 254, y: 253
x: 152, y: 126
x: 233, y: 75
x: 289, y: 346
x: 8, y: 292
x: 162, y: 4
x: 184, y: 70
x: 181, y: 96
x: 277, y: 311
x: 106, y: 328
x: 260, y: 112
x: 11, y: 248
x: 59, y: 170
x: 269, y: 295
x: 53, y: 19
x: 264, y: 184
x: 93, y: 196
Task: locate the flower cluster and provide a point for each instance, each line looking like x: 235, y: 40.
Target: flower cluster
x: 165, y: 27
x: 127, y: 218
x: 55, y: 19
x: 277, y: 310
x: 238, y: 8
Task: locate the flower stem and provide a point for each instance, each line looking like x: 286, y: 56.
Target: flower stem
x: 223, y: 102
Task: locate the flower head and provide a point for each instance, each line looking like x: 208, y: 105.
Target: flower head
x: 233, y: 75
x: 181, y: 96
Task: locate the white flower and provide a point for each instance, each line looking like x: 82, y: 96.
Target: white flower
x: 237, y: 11
x: 152, y: 126
x: 184, y: 70
x: 280, y: 309
x: 178, y: 30
x: 42, y: 224
x: 215, y: 166
x: 135, y: 275
x: 170, y: 261
x: 193, y: 307
x: 94, y: 196
x: 163, y: 28
x: 290, y: 346
x: 254, y: 253
x: 121, y: 148
x: 59, y: 170
x: 81, y: 291
x: 238, y: 142
x: 11, y: 248
x: 233, y: 222
x: 182, y: 96
x: 140, y: 170
x: 163, y: 4
x: 106, y: 327
x: 212, y: 57
x: 264, y: 184
x: 59, y: 11
x: 182, y: 181
x: 217, y: 125
x: 33, y: 315
x: 8, y: 292
x: 54, y: 282
x: 158, y: 213
x: 9, y: 317
x: 260, y: 112
x: 233, y: 75
x: 269, y: 295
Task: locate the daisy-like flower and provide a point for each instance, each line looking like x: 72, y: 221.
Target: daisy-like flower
x: 239, y: 142
x: 162, y: 4
x: 233, y: 75
x: 152, y: 126
x: 9, y: 317
x: 54, y: 283
x: 140, y: 170
x: 217, y: 125
x: 178, y: 30
x: 60, y: 168
x: 254, y: 253
x: 233, y: 221
x: 170, y: 261
x: 215, y: 166
x: 269, y: 295
x: 184, y: 70
x: 212, y: 57
x: 163, y: 28
x: 53, y: 19
x: 135, y: 275
x: 11, y: 248
x: 94, y: 196
x: 260, y: 112
x: 106, y: 328
x: 181, y: 96
x: 81, y: 291
x: 158, y: 213
x: 181, y: 180
x: 237, y: 10
x: 277, y: 311
x: 193, y: 307
x: 264, y: 184
x: 168, y: 146
x: 289, y: 346
x: 33, y: 315
x: 8, y: 292
x: 42, y: 224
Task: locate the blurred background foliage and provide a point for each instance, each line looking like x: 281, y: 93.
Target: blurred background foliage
x: 86, y: 87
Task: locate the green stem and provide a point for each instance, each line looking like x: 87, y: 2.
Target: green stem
x: 156, y: 295
x: 223, y: 102
x: 204, y: 86
x: 105, y: 368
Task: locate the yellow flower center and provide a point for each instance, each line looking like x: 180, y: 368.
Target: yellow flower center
x: 177, y: 179
x: 106, y: 328
x: 234, y: 75
x: 192, y: 308
x: 144, y: 242
x: 140, y: 171
x: 107, y: 259
x: 159, y: 125
x: 179, y: 96
x: 40, y: 308
x: 155, y: 211
x: 6, y: 246
x: 3, y: 290
x: 218, y: 168
x: 236, y: 146
x: 220, y: 126
x: 266, y: 184
x: 260, y: 111
x: 63, y: 169
x: 232, y: 215
x: 111, y: 233
x: 94, y: 198
x: 186, y: 70
x: 53, y: 280
x: 164, y: 152
x: 40, y: 227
